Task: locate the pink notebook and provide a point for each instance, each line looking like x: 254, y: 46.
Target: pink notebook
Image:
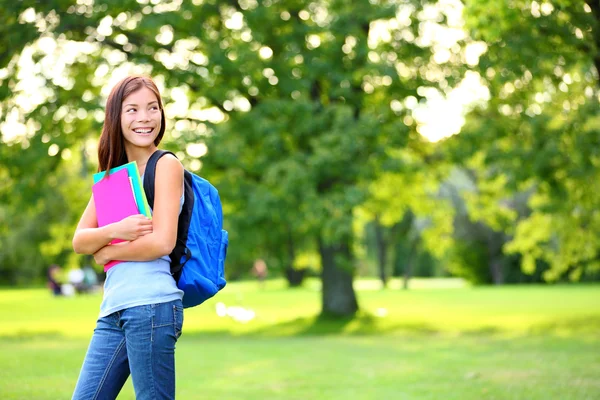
x: 113, y: 197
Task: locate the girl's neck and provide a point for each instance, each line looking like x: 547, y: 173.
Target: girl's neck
x: 140, y: 156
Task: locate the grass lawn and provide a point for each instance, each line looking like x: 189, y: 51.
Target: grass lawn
x: 439, y: 340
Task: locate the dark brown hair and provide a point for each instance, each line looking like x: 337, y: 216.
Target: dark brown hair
x: 111, y: 149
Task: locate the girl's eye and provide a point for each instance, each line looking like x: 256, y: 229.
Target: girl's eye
x: 130, y: 110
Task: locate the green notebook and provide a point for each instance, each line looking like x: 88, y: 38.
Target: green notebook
x: 136, y: 184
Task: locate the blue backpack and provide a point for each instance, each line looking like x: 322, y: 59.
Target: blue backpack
x: 198, y: 259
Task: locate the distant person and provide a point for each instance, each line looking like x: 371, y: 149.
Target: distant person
x: 75, y: 278
x: 90, y: 279
x: 141, y: 314
x: 260, y: 271
x: 54, y: 279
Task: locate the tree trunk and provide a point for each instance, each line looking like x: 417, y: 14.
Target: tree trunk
x: 294, y: 276
x: 409, y: 264
x: 497, y: 270
x: 338, y: 297
x: 381, y: 246
x: 495, y: 241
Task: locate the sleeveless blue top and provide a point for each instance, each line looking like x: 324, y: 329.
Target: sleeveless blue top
x: 136, y: 283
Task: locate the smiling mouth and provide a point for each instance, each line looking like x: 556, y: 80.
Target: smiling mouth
x: 143, y: 131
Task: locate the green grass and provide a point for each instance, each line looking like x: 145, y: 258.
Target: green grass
x: 440, y: 340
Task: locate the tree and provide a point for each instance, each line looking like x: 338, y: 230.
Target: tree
x: 299, y: 104
x: 539, y: 131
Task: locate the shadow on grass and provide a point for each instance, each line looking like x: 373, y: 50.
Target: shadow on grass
x: 363, y: 324
x: 368, y: 325
x: 578, y: 325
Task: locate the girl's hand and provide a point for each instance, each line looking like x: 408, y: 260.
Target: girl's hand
x: 104, y: 255
x: 132, y: 227
x: 101, y: 256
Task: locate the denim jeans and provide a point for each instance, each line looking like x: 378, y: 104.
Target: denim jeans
x: 140, y: 340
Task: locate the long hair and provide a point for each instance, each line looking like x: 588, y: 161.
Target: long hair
x: 111, y: 148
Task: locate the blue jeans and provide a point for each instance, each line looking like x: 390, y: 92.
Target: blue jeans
x: 138, y: 339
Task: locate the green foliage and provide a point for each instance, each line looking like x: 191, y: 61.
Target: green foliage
x: 45, y: 215
x: 469, y: 260
x: 539, y: 132
x: 292, y: 101
x: 300, y: 114
x: 423, y: 263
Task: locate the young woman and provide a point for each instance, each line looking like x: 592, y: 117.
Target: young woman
x: 141, y: 314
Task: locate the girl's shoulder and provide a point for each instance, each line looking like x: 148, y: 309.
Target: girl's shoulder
x: 170, y: 163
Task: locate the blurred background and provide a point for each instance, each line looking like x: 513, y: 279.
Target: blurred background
x: 347, y: 139
x: 356, y: 146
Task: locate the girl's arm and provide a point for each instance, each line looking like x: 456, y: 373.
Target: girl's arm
x: 89, y: 238
x: 165, y: 214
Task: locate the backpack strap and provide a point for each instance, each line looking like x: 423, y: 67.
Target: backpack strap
x: 183, y: 222
x: 150, y: 174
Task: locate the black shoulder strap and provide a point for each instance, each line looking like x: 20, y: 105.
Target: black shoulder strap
x: 183, y: 222
x: 150, y: 174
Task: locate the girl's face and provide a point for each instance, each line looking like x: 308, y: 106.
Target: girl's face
x: 140, y: 118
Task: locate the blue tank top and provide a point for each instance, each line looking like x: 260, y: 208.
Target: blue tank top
x: 136, y: 283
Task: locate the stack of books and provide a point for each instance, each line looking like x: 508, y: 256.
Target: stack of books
x: 117, y: 196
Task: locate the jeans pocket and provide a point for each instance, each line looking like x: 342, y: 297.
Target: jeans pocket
x: 178, y: 320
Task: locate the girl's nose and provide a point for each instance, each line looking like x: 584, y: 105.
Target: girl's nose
x: 142, y: 115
